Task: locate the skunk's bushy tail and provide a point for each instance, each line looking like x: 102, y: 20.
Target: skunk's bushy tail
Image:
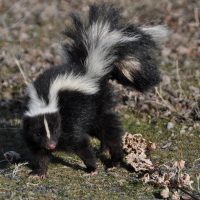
x: 106, y: 46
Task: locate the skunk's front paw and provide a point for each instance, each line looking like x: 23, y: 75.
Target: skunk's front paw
x: 103, y: 148
x: 113, y: 164
x: 91, y: 171
x: 37, y: 174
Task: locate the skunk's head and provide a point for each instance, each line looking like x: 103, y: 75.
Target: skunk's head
x: 42, y: 131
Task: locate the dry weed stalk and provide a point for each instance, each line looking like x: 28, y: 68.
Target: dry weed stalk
x: 165, y: 102
x: 17, y: 169
x: 136, y: 148
x: 25, y: 77
x: 179, y: 79
x: 196, y: 16
x: 170, y: 176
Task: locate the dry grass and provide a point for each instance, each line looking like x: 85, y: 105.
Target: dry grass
x: 29, y: 41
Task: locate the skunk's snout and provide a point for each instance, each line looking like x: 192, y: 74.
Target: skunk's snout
x: 51, y: 145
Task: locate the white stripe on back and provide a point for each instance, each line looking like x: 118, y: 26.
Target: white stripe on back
x: 99, y: 40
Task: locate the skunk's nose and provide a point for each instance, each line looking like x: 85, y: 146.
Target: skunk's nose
x: 52, y: 145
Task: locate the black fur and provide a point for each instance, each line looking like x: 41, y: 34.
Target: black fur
x: 81, y: 115
x: 146, y: 51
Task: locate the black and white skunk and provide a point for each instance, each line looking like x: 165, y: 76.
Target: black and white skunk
x: 75, y: 99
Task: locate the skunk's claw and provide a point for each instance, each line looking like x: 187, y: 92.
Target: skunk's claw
x: 93, y: 173
x: 37, y: 175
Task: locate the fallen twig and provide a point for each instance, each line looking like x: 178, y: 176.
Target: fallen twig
x: 16, y: 169
x: 188, y: 193
x: 166, y: 103
x: 179, y: 79
x: 22, y: 71
x: 196, y: 16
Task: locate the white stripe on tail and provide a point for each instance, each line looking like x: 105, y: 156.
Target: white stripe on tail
x: 158, y: 33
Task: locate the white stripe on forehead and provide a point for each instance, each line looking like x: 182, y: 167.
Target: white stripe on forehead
x: 47, y: 128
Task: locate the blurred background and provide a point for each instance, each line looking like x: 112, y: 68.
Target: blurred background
x: 30, y: 35
x: 30, y: 31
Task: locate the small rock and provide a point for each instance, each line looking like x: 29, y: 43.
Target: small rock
x: 175, y: 196
x: 190, y: 128
x: 170, y: 125
x: 194, y: 89
x: 184, y: 127
x: 166, y: 80
x: 168, y: 144
x: 182, y: 131
x: 165, y: 192
x: 12, y: 156
x: 196, y: 125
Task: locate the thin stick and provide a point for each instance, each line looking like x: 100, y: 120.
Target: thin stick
x: 196, y: 16
x: 179, y: 78
x: 22, y: 71
x: 198, y: 183
x: 196, y: 160
x: 17, y: 168
x: 186, y: 192
x: 166, y: 103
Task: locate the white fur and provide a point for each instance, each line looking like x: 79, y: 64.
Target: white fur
x: 47, y: 128
x: 159, y: 33
x: 128, y: 66
x: 36, y: 105
x: 99, y: 40
x: 70, y: 81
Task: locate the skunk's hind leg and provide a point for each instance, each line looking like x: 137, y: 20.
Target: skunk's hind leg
x: 110, y: 136
x: 84, y: 150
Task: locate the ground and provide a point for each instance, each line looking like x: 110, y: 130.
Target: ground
x: 168, y: 115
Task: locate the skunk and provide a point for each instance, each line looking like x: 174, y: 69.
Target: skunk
x: 75, y: 100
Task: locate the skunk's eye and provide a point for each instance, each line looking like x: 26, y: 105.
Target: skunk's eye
x: 38, y: 134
